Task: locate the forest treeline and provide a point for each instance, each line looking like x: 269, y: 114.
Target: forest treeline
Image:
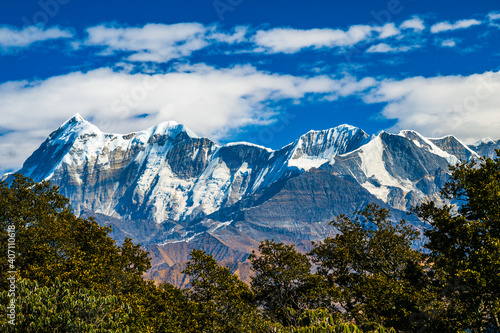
x: 61, y: 273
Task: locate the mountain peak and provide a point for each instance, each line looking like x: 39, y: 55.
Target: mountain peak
x: 347, y: 127
x: 170, y: 128
x: 76, y: 119
x: 339, y: 129
x: 483, y: 141
x: 447, y: 146
x: 76, y: 125
x: 410, y: 133
x: 317, y: 147
x: 248, y: 144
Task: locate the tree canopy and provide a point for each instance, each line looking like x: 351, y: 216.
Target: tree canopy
x: 372, y: 271
x: 282, y: 281
x: 464, y: 245
x: 224, y: 303
x: 51, y: 242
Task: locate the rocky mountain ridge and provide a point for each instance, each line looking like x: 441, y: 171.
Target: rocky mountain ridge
x: 172, y: 190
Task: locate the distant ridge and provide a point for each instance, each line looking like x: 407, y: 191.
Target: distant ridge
x: 171, y: 190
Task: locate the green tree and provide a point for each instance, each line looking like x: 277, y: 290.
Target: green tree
x: 63, y: 307
x: 224, y: 302
x: 321, y: 321
x: 48, y: 241
x: 164, y: 308
x: 373, y: 275
x: 282, y: 280
x: 464, y: 244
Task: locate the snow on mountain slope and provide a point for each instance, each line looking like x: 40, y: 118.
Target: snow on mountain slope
x: 253, y: 167
x: 400, y: 170
x: 455, y: 147
x: 448, y: 146
x: 429, y: 145
x: 167, y: 173
x: 374, y: 167
x: 57, y: 146
x: 122, y: 175
x: 486, y: 147
x: 315, y: 148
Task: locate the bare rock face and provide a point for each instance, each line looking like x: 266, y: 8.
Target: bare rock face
x: 453, y: 146
x: 173, y: 191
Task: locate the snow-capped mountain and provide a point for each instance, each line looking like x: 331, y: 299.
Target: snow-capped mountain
x: 167, y: 173
x: 173, y: 190
x: 486, y: 147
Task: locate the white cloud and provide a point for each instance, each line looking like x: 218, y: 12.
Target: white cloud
x: 494, y: 16
x: 388, y: 30
x: 415, y: 23
x: 160, y: 43
x: 380, y: 48
x: 212, y: 102
x: 448, y: 43
x: 238, y: 35
x: 466, y: 106
x: 385, y: 48
x: 152, y: 42
x: 11, y: 37
x: 494, y: 19
x: 447, y: 26
x: 288, y: 40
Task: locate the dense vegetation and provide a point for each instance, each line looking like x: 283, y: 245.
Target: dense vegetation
x: 70, y: 276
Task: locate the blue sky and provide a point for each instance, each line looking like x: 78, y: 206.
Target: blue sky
x: 242, y: 70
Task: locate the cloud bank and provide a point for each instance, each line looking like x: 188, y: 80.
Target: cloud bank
x: 466, y: 106
x: 212, y: 102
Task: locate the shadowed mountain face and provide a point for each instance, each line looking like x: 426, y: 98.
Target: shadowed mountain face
x: 173, y: 191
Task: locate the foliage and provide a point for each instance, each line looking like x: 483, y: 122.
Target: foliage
x: 51, y: 242
x: 282, y: 280
x: 321, y: 321
x: 64, y: 307
x: 465, y: 247
x: 372, y: 273
x: 224, y: 302
x: 163, y: 308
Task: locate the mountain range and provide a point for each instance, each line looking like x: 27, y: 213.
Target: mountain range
x: 173, y: 191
